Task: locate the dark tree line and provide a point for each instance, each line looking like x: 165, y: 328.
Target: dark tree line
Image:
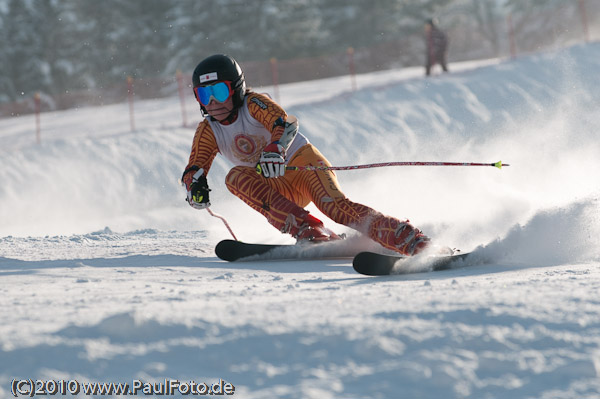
x: 56, y: 46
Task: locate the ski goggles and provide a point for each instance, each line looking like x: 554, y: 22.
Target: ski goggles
x: 220, y: 91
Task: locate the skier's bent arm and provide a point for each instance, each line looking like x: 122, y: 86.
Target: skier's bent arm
x: 283, y: 130
x: 204, y: 150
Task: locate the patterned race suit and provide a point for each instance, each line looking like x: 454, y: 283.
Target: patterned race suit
x: 281, y: 200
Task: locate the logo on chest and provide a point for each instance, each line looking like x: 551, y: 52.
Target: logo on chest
x: 247, y: 148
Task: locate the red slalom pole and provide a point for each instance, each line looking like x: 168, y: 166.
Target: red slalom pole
x: 130, y: 97
x: 351, y: 67
x: 498, y: 165
x: 584, y: 21
x: 275, y: 73
x: 180, y: 89
x: 37, y: 100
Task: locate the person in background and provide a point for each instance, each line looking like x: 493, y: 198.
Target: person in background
x: 437, y: 46
x: 260, y: 139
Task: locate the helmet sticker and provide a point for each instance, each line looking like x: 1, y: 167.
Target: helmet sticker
x: 208, y: 76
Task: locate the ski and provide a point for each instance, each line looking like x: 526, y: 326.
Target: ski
x: 374, y: 264
x: 231, y: 250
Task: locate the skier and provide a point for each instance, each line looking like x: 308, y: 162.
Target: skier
x: 260, y: 139
x: 437, y: 46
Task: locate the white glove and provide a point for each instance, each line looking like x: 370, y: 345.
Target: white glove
x: 272, y: 161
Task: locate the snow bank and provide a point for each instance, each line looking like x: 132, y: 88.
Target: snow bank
x: 108, y: 276
x: 536, y: 113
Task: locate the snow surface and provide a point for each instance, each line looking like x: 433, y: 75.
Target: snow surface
x: 108, y: 276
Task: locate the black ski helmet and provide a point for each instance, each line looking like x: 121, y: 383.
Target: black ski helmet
x: 217, y: 68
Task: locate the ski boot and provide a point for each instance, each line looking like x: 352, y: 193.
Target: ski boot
x: 409, y: 240
x: 312, y: 230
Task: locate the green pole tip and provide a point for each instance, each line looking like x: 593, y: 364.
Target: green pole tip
x: 498, y: 164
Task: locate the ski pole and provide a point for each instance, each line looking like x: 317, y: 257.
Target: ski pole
x: 498, y: 165
x: 215, y: 215
x: 224, y: 221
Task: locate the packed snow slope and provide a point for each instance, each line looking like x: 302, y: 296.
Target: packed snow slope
x: 108, y: 276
